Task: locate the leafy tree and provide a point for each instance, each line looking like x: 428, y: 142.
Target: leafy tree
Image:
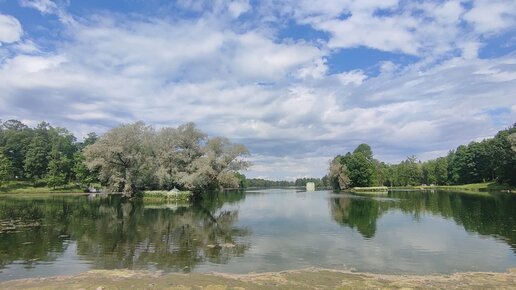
x: 357, y: 169
x: 338, y: 175
x: 263, y: 183
x: 217, y: 166
x: 242, y: 183
x: 6, y: 169
x: 441, y: 171
x: 380, y: 176
x: 488, y: 160
x: 389, y: 171
x: 504, y: 157
x: 429, y: 172
x: 83, y: 174
x: 124, y: 157
x: 361, y: 169
x: 512, y: 140
x: 409, y: 171
x: 15, y: 140
x: 36, y: 159
x: 177, y: 149
x: 365, y: 150
x: 90, y: 139
x: 57, y: 168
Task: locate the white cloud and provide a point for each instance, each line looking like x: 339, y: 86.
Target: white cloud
x: 355, y: 77
x: 491, y: 16
x: 44, y: 6
x: 10, y: 29
x: 48, y: 7
x: 276, y: 95
x: 429, y: 29
x: 316, y: 70
x: 360, y: 29
x: 287, y: 167
x: 239, y: 7
x: 470, y: 49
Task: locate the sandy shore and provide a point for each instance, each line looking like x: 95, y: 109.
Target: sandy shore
x: 299, y: 279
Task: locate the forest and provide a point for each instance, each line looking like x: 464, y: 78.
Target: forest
x: 135, y: 157
x: 299, y: 182
x: 491, y: 159
x: 129, y: 158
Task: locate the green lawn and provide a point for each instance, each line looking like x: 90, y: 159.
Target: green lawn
x: 482, y: 187
x: 166, y: 196
x: 22, y: 187
x: 370, y: 189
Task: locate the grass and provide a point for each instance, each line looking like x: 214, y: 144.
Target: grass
x: 374, y: 189
x: 473, y: 187
x: 166, y: 196
x: 25, y: 187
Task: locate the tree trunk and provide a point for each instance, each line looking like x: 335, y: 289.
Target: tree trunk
x: 129, y: 190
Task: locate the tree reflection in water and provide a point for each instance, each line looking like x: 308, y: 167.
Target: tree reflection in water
x: 484, y: 214
x: 113, y: 233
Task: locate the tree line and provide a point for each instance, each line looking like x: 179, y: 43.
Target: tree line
x: 129, y: 158
x: 299, y: 182
x: 43, y: 155
x: 489, y: 160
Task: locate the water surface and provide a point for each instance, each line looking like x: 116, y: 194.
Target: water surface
x: 259, y: 231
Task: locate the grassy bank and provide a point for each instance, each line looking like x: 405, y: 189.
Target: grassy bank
x: 300, y: 279
x: 23, y: 187
x: 473, y: 187
x: 371, y: 190
x: 166, y: 196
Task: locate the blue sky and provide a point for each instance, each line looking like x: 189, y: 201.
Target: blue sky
x: 296, y: 81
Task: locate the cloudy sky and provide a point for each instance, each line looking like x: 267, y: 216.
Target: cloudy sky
x: 296, y: 81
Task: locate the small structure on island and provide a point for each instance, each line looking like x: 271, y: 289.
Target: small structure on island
x: 173, y: 192
x: 310, y: 186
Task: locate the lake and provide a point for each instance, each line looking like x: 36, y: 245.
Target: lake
x: 409, y: 232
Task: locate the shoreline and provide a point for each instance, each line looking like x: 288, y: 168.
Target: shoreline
x: 486, y: 187
x: 311, y: 278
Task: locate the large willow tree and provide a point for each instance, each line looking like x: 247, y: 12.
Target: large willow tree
x: 133, y: 157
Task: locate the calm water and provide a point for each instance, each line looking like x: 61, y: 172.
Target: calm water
x: 270, y: 230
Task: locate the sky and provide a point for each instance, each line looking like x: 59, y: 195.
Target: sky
x: 296, y: 81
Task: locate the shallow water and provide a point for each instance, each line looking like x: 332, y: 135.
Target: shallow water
x: 260, y: 231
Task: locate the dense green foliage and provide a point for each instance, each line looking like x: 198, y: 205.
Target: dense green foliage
x: 135, y: 157
x: 129, y: 158
x: 489, y: 160
x: 299, y: 182
x: 43, y: 155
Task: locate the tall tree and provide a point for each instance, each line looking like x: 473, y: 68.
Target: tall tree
x: 365, y: 149
x: 15, y: 140
x: 58, y: 167
x: 361, y: 169
x: 512, y: 140
x: 177, y: 149
x: 441, y: 170
x: 124, y: 158
x: 6, y: 169
x: 36, y: 159
x: 218, y: 165
x: 338, y: 174
x: 82, y: 173
x: 409, y: 171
